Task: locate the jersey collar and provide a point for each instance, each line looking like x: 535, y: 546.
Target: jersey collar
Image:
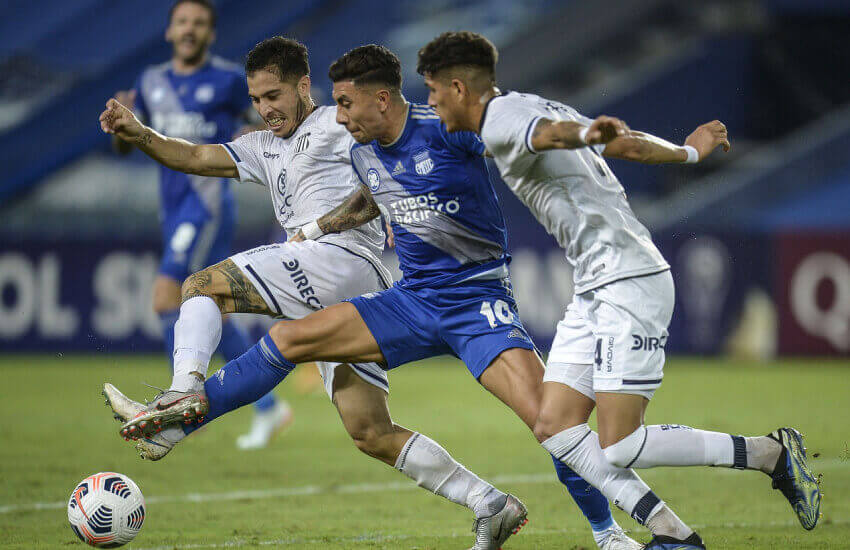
x: 487, y: 106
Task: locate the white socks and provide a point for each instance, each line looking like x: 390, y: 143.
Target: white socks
x: 578, y: 447
x: 432, y: 467
x: 196, y: 336
x: 674, y: 445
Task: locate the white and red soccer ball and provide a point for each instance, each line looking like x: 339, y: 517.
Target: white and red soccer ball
x: 106, y: 510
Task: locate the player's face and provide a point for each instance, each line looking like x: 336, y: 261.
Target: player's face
x: 276, y: 101
x: 442, y: 97
x: 190, y: 31
x: 358, y: 108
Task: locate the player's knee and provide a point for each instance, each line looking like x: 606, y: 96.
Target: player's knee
x: 369, y: 440
x: 624, y: 452
x: 551, y: 422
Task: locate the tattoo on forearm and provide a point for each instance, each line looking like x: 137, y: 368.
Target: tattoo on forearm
x: 145, y: 138
x: 356, y: 210
x: 228, y: 287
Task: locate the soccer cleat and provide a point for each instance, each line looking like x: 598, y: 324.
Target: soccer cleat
x: 619, y: 540
x: 265, y: 426
x: 492, y: 531
x: 123, y: 408
x: 663, y: 542
x: 167, y: 408
x: 795, y: 479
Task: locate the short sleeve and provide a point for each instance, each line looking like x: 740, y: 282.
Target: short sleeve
x: 506, y: 131
x: 468, y: 142
x: 245, y: 152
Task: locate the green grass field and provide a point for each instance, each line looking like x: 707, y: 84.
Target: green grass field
x: 313, y: 489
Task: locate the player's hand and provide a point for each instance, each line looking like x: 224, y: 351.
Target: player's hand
x: 298, y: 237
x: 126, y: 98
x: 119, y: 120
x: 605, y: 129
x: 708, y: 137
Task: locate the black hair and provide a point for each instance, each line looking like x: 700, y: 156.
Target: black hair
x: 205, y: 3
x: 284, y: 56
x: 453, y: 49
x: 370, y: 64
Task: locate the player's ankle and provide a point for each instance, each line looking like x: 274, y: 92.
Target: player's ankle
x: 762, y: 453
x: 189, y: 382
x: 490, y: 503
x: 666, y: 522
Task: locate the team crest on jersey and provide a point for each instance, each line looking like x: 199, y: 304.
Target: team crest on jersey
x: 374, y: 179
x: 205, y: 93
x: 423, y: 163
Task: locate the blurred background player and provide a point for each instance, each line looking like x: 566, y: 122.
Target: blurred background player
x: 201, y: 98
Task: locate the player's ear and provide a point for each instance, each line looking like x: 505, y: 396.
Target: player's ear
x: 303, y: 87
x: 459, y: 89
x: 383, y: 97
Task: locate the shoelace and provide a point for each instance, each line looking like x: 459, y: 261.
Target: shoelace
x: 157, y: 396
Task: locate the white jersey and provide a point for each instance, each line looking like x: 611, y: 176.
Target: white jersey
x: 573, y: 193
x: 308, y: 175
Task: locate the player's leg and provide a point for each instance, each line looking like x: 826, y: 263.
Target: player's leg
x: 515, y: 377
x: 166, y: 305
x: 623, y: 397
x: 489, y: 337
x: 364, y: 412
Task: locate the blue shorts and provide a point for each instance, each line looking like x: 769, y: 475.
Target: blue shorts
x: 192, y: 241
x: 473, y: 321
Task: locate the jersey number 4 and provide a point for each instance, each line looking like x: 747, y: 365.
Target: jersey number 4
x: 499, y: 312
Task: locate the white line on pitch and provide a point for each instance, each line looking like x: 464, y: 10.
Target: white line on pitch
x: 818, y: 465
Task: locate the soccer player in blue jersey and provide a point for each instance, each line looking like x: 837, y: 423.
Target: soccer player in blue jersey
x: 608, y: 351
x: 203, y: 99
x: 455, y: 297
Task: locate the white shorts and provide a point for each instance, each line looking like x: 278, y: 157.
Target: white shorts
x: 297, y: 279
x: 612, y: 338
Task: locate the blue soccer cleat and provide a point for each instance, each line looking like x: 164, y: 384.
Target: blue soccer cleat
x: 663, y: 542
x: 795, y: 479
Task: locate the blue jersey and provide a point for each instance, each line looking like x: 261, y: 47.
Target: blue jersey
x: 206, y: 106
x: 434, y: 188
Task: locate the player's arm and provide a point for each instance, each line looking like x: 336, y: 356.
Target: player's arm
x: 177, y: 154
x: 358, y: 208
x: 567, y: 134
x: 648, y: 149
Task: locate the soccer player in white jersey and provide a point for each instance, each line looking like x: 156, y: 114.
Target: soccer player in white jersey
x: 608, y: 351
x: 304, y: 160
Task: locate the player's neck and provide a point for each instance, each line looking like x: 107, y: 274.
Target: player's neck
x: 189, y: 66
x: 396, y: 118
x: 303, y: 110
x: 476, y: 112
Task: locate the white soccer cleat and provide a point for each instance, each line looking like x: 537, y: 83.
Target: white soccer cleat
x: 153, y: 447
x: 619, y: 540
x: 492, y: 531
x: 265, y: 426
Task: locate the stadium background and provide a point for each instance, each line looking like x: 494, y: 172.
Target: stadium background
x: 759, y: 238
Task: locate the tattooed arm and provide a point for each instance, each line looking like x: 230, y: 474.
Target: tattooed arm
x: 357, y: 209
x: 567, y: 134
x: 177, y: 154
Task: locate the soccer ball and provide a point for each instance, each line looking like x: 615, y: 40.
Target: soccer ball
x: 106, y: 510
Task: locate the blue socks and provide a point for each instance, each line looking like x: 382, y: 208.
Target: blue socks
x: 234, y: 342
x: 244, y: 380
x: 593, y: 505
x: 166, y: 321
